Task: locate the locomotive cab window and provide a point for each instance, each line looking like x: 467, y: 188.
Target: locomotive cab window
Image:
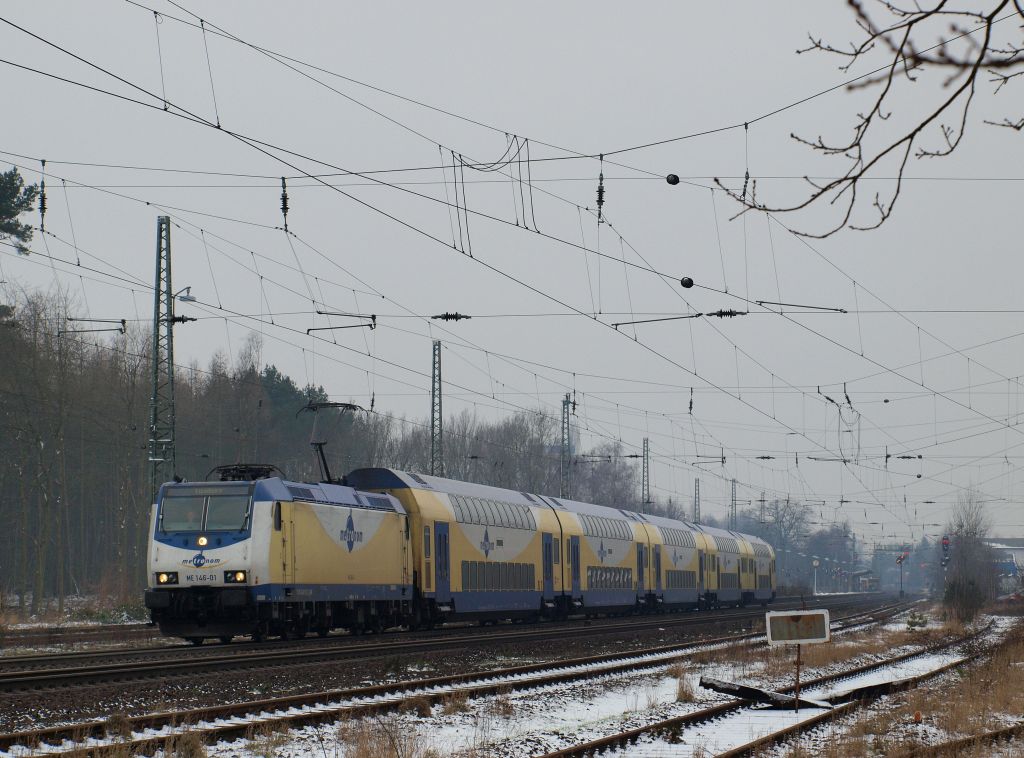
x: 221, y: 507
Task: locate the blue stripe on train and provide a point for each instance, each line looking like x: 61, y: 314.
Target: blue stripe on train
x: 309, y: 593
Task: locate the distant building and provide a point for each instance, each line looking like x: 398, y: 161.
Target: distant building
x: 865, y: 580
x: 1008, y: 562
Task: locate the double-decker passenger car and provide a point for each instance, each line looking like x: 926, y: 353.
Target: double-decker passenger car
x: 495, y: 553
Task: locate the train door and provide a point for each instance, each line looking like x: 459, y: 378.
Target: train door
x: 284, y: 521
x: 549, y: 568
x: 443, y: 591
x: 700, y: 573
x: 640, y: 568
x: 574, y: 565
x: 657, y: 568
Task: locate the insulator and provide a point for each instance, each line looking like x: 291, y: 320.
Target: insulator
x: 42, y: 205
x: 284, y: 202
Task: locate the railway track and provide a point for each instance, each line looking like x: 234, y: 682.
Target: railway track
x: 737, y: 717
x: 69, y: 635
x: 24, y: 673
x: 153, y: 731
x: 958, y: 747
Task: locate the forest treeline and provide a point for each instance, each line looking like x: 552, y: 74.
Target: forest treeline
x: 74, y: 476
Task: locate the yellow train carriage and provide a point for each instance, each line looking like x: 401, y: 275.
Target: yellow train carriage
x: 678, y: 555
x: 480, y: 551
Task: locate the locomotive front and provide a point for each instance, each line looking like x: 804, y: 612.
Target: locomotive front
x: 200, y: 560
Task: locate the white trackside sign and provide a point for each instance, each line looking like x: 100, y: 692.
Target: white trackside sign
x: 797, y: 627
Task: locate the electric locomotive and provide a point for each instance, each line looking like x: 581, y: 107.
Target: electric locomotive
x: 257, y: 554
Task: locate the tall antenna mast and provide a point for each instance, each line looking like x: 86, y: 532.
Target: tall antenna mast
x: 565, y: 489
x: 645, y: 485
x: 436, y: 418
x: 161, y: 419
x: 732, y: 508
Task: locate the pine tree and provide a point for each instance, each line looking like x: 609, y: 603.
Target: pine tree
x: 15, y: 199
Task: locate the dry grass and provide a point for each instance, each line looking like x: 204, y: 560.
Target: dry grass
x: 502, y: 705
x: 381, y: 737
x: 185, y: 745
x: 778, y: 662
x: 684, y: 689
x: 118, y: 725
x: 976, y: 701
x: 455, y: 702
x: 265, y: 741
x: 421, y: 706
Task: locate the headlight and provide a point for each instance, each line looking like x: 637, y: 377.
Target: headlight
x: 167, y: 577
x: 235, y: 577
x: 202, y: 541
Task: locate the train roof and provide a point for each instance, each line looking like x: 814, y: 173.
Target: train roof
x: 385, y: 478
x: 275, y: 488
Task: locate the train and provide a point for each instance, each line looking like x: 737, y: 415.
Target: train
x: 256, y: 554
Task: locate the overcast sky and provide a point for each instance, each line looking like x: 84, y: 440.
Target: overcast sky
x: 545, y: 281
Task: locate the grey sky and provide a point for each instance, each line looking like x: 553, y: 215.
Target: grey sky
x: 590, y: 78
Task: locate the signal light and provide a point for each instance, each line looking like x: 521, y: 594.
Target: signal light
x: 235, y: 577
x: 167, y: 577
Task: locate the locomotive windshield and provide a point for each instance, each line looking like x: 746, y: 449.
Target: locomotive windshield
x: 221, y: 507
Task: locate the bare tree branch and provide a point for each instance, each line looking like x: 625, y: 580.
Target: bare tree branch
x: 967, y: 48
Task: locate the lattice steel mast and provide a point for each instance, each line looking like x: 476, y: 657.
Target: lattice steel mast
x: 565, y: 488
x: 732, y: 508
x: 436, y: 417
x: 161, y: 419
x: 645, y: 485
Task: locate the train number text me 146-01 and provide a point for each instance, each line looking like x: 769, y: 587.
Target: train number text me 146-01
x: 200, y: 577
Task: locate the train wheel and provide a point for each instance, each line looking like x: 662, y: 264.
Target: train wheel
x: 226, y: 639
x: 197, y: 641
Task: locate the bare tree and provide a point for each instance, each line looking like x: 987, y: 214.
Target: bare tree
x: 970, y: 43
x: 969, y: 575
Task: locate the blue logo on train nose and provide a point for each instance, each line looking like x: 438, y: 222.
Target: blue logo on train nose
x: 350, y: 536
x: 199, y: 560
x: 601, y: 553
x: 487, y: 546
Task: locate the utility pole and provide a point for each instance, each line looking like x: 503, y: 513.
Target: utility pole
x: 646, y: 483
x: 161, y: 418
x: 564, y: 487
x: 436, y: 419
x: 732, y: 508
x: 696, y: 501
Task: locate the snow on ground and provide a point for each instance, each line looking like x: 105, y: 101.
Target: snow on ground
x: 540, y: 720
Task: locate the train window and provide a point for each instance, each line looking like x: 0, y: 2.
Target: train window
x: 277, y: 519
x: 182, y: 514
x: 556, y: 545
x: 426, y: 542
x: 227, y: 513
